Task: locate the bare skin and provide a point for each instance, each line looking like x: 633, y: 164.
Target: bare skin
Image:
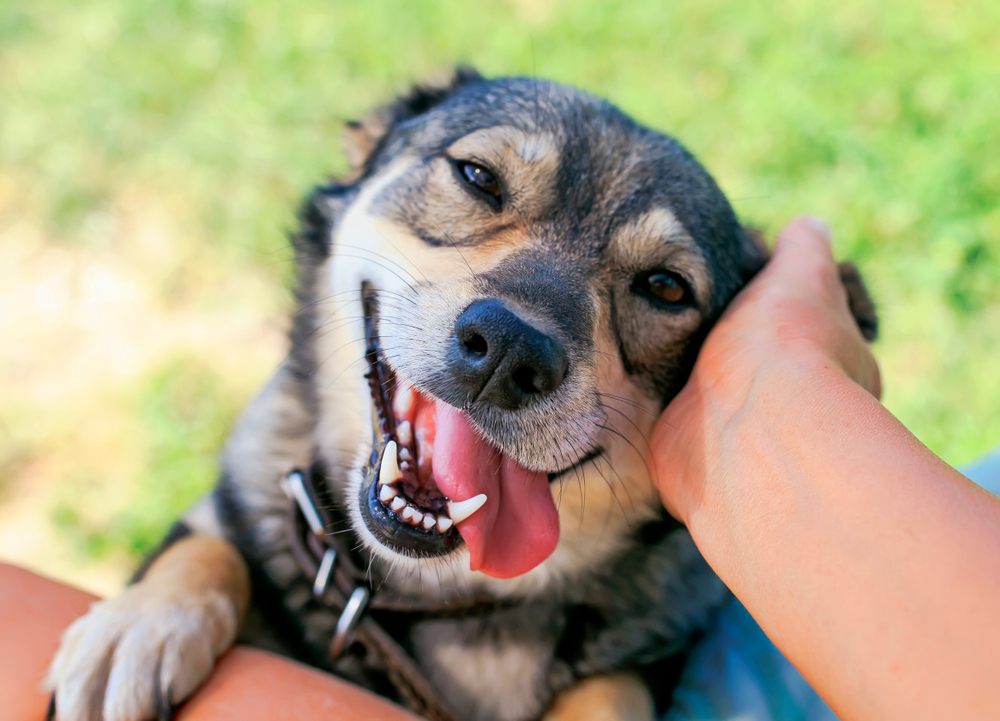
x: 870, y: 563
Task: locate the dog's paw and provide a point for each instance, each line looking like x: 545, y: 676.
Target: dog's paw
x: 618, y: 697
x: 134, y: 657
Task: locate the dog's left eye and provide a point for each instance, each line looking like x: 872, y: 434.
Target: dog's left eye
x: 664, y: 288
x: 480, y: 178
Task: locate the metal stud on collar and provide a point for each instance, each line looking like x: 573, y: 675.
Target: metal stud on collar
x: 294, y: 486
x: 322, y: 579
x: 348, y: 620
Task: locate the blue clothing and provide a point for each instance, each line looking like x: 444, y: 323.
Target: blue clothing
x: 736, y: 674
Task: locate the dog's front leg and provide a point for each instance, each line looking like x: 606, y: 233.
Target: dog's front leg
x: 135, y: 656
x: 615, y: 697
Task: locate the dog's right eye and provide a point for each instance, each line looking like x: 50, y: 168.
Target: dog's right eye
x: 481, y: 179
x: 664, y: 288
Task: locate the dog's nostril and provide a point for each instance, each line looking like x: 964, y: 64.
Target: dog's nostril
x: 500, y: 360
x: 524, y: 379
x: 476, y: 345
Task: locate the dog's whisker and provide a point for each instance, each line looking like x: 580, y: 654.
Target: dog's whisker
x: 639, y: 431
x: 628, y: 402
x: 459, y: 250
x: 381, y: 265
x: 404, y: 256
x: 618, y: 433
x: 379, y: 255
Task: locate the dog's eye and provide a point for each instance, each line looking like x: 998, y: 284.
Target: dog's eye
x: 480, y: 178
x: 664, y: 288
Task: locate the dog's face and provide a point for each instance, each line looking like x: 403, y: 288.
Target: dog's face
x: 515, y: 286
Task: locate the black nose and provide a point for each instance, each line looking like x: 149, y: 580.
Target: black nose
x: 499, y: 359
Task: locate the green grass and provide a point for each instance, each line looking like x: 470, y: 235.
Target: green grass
x: 881, y: 117
x: 184, y: 410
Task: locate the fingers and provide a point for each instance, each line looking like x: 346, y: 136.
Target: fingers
x: 805, y: 235
x: 804, y: 261
x: 803, y: 258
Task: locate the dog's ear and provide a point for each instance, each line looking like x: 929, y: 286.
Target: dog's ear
x: 363, y: 138
x: 754, y: 252
x: 858, y: 299
x: 860, y: 303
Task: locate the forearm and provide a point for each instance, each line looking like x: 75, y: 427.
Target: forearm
x: 863, y: 556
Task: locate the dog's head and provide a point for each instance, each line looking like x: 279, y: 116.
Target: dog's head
x: 502, y: 300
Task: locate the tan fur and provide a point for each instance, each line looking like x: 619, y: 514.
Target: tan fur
x: 202, y: 564
x: 618, y: 697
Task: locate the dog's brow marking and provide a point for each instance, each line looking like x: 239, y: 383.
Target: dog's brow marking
x: 532, y: 149
x: 659, y: 238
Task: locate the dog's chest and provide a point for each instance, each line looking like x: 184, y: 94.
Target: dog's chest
x: 499, y: 667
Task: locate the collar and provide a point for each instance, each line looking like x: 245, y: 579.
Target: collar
x: 340, y: 583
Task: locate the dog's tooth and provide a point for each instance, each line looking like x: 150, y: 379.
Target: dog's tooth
x: 404, y: 432
x: 388, y: 472
x: 397, y: 504
x: 387, y: 493
x: 412, y: 515
x: 425, y: 453
x: 429, y: 521
x: 444, y: 523
x: 404, y: 401
x: 405, y: 455
x: 460, y: 510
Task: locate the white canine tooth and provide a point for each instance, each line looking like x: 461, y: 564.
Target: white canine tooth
x: 444, y: 524
x: 397, y: 504
x: 417, y: 517
x: 460, y: 510
x: 387, y: 493
x: 405, y: 455
x: 389, y: 470
x: 408, y: 513
x: 404, y: 432
x: 429, y: 521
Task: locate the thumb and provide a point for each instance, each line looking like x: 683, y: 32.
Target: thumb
x: 805, y: 242
x: 803, y: 257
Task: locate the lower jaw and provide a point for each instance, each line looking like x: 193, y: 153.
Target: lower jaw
x: 400, y: 537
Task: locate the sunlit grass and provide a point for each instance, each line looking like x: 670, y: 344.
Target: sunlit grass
x: 168, y: 142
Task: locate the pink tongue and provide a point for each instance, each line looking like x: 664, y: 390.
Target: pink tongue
x: 518, y: 528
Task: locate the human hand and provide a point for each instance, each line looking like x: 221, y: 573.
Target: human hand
x: 792, y: 320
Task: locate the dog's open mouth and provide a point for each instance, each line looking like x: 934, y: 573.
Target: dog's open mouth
x: 434, y: 482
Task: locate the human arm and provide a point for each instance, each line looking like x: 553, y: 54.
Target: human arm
x: 869, y: 562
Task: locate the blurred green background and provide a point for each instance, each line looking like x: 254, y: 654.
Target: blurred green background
x: 152, y: 154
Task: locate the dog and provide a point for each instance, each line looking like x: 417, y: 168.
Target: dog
x: 442, y: 493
